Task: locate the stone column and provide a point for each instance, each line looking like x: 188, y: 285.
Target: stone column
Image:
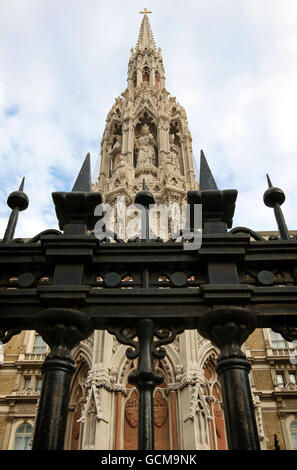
x: 100, y: 380
x: 189, y: 380
x: 163, y: 140
x: 139, y: 76
x: 130, y: 142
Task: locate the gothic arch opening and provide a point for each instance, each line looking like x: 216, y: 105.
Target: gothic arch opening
x: 161, y: 419
x: 217, y: 431
x: 165, y: 403
x: 74, y: 428
x: 115, y: 147
x: 146, y: 74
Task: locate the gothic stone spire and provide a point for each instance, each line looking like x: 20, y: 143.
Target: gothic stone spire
x: 145, y: 38
x: 146, y: 133
x: 146, y: 63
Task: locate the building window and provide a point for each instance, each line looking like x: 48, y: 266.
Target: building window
x: 292, y: 378
x: 27, y: 382
x: 23, y: 437
x: 38, y: 384
x: 293, y: 432
x: 277, y: 341
x: 280, y: 380
x: 40, y: 346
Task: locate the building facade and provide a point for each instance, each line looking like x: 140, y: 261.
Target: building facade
x: 147, y: 137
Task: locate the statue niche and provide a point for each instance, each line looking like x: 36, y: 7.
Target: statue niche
x: 145, y: 147
x: 115, y: 153
x: 172, y: 161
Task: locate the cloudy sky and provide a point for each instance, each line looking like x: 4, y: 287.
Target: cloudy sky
x: 231, y: 63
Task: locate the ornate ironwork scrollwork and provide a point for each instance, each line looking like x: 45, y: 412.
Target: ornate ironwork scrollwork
x: 126, y: 336
x: 165, y: 336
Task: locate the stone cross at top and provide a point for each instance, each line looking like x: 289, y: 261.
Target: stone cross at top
x: 145, y: 12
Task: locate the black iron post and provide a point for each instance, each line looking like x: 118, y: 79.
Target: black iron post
x: 144, y: 198
x: 228, y: 328
x: 62, y: 329
x: 145, y: 379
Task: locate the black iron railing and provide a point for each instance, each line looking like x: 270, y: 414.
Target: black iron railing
x: 68, y: 283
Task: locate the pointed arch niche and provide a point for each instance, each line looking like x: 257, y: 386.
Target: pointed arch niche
x: 165, y: 409
x: 115, y: 146
x: 74, y: 428
x: 175, y: 130
x: 145, y: 118
x: 217, y: 431
x: 146, y: 74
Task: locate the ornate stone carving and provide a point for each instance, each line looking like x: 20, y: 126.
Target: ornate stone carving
x: 259, y: 417
x: 28, y: 392
x: 198, y: 404
x: 192, y: 375
x: 172, y: 162
x: 290, y: 387
x: 131, y: 410
x: 160, y: 410
x: 89, y: 341
x: 201, y: 341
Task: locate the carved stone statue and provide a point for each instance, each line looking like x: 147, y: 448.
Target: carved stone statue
x: 145, y: 143
x: 116, y: 148
x: 121, y: 168
x: 115, y: 152
x: 174, y: 160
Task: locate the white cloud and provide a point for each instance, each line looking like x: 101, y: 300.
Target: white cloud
x: 231, y: 64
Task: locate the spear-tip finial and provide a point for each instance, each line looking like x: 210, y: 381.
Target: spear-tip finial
x: 206, y: 180
x: 83, y: 180
x: 17, y: 201
x: 275, y: 197
x: 269, y: 181
x: 21, y: 188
